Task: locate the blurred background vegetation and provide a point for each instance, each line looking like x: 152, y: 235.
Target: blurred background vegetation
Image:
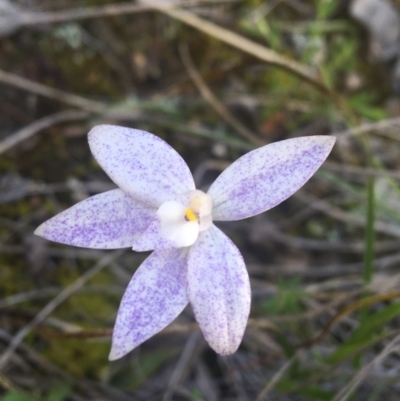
x: 215, y: 79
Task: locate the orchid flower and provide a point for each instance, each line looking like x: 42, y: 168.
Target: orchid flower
x: 157, y: 207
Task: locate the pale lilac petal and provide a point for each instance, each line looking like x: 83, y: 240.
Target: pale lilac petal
x: 109, y: 220
x: 265, y: 177
x: 141, y: 164
x: 219, y: 290
x: 152, y: 238
x: 155, y: 296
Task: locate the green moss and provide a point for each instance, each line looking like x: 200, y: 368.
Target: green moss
x: 82, y: 358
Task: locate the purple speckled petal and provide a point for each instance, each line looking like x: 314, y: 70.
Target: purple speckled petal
x: 155, y: 296
x: 265, y: 177
x: 219, y: 290
x: 152, y: 238
x: 109, y: 220
x: 141, y: 164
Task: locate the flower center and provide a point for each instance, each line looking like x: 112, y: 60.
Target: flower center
x: 180, y: 223
x: 200, y: 206
x: 190, y: 215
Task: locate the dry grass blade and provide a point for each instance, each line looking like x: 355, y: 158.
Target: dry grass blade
x: 43, y: 90
x: 357, y: 305
x: 189, y: 355
x: 241, y: 43
x: 278, y: 375
x: 364, y: 128
x: 360, y: 171
x: 209, y: 96
x: 346, y: 391
x: 275, y: 234
x: 32, y: 129
x: 337, y: 213
x: 108, y: 10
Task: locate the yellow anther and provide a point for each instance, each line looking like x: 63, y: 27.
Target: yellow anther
x: 190, y: 215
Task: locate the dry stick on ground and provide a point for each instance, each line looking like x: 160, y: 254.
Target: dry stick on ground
x: 194, y: 345
x: 360, y: 171
x: 213, y: 100
x: 175, y: 328
x: 365, y: 128
x: 43, y: 90
x: 278, y: 376
x: 347, y: 310
x: 32, y: 129
x: 336, y: 213
x: 345, y: 392
x: 241, y: 43
x: 109, y: 10
x: 354, y: 306
x: 273, y: 233
x: 260, y: 323
x: 256, y: 50
x: 263, y: 323
x: 88, y: 105
x: 48, y: 292
x: 357, y: 305
x: 318, y: 272
x: 328, y: 373
x: 60, y: 298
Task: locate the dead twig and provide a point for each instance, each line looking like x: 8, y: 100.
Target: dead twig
x: 347, y: 310
x: 52, y: 93
x: 346, y: 391
x: 188, y: 357
x: 209, y: 97
x: 336, y: 213
x: 45, y: 122
x: 109, y: 10
x: 176, y: 328
x: 262, y: 230
x: 328, y: 373
x: 278, y: 375
x: 360, y: 171
x: 318, y: 272
x: 365, y: 128
x: 241, y: 43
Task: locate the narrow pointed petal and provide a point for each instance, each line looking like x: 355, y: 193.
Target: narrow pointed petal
x: 140, y: 163
x: 109, y: 220
x: 265, y: 177
x: 155, y: 296
x: 219, y: 290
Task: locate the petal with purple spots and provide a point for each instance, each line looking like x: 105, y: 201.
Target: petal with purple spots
x: 140, y: 163
x: 109, y: 220
x: 166, y: 236
x: 265, y: 177
x: 155, y: 296
x: 218, y: 290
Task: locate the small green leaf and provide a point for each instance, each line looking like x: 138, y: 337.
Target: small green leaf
x: 59, y: 392
x: 365, y: 333
x: 286, y: 300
